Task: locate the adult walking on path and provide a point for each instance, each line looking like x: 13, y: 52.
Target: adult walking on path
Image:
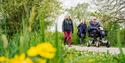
x: 94, y: 24
x: 67, y: 28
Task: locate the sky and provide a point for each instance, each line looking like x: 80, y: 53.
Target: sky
x: 67, y: 4
x: 73, y: 3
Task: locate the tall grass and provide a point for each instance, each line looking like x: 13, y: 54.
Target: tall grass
x: 21, y: 41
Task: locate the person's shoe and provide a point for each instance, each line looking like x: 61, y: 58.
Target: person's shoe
x: 81, y: 45
x: 70, y: 45
x: 64, y: 43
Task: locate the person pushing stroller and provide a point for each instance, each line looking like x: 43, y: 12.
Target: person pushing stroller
x: 95, y: 31
x: 94, y: 28
x: 94, y: 25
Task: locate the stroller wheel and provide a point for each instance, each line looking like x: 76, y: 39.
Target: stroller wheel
x: 97, y: 44
x: 107, y: 45
x: 88, y: 44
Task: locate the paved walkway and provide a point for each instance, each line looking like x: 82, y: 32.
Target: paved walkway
x: 112, y: 50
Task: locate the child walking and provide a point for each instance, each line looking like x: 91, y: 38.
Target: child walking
x: 82, y: 28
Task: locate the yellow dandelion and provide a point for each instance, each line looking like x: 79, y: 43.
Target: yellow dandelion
x: 22, y: 56
x: 21, y: 59
x: 48, y: 55
x: 46, y: 46
x: 32, y: 51
x: 46, y: 50
x: 42, y: 61
x: 3, y: 59
x: 28, y: 60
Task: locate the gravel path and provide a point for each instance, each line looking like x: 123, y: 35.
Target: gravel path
x: 111, y: 50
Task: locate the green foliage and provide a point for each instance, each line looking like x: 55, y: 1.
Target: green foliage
x: 15, y: 11
x: 80, y: 11
x: 25, y: 23
x: 75, y: 38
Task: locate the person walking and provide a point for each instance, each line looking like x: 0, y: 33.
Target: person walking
x: 82, y: 29
x: 67, y: 28
x: 94, y: 24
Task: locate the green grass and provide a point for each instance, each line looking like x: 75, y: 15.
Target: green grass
x: 73, y: 56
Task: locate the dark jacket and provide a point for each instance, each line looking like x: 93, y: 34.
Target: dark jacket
x: 82, y: 28
x: 67, y: 25
x: 92, y: 25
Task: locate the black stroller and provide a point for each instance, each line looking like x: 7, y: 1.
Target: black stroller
x: 98, y: 37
